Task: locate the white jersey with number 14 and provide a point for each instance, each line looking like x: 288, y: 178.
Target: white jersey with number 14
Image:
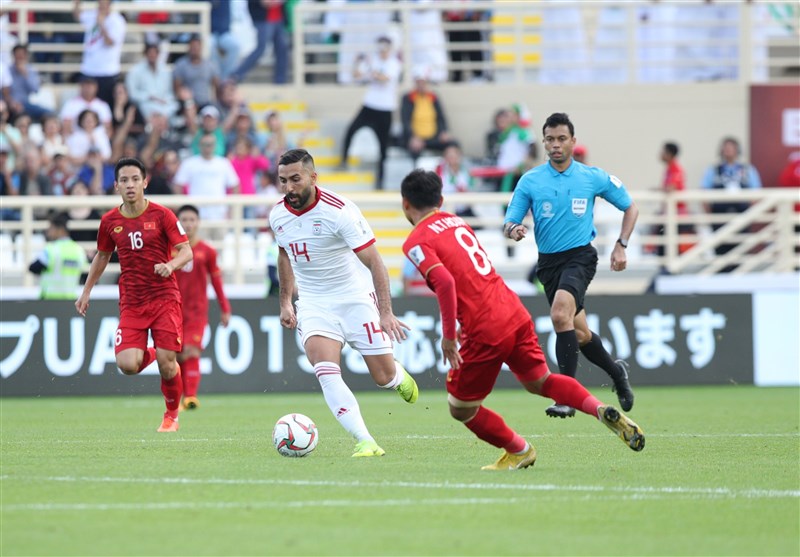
x: 321, y: 242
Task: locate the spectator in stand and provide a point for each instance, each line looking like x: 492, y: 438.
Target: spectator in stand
x: 456, y: 178
x: 224, y: 46
x: 242, y: 129
x: 247, y: 161
x: 269, y: 19
x: 208, y: 174
x: 97, y: 173
x: 162, y: 174
x: 512, y: 149
x: 199, y: 75
x: 61, y: 173
x: 83, y: 221
x: 231, y: 104
x: 424, y: 123
x: 88, y: 135
x: 86, y: 99
x: 52, y: 140
x: 102, y: 45
x: 457, y: 54
x: 274, y: 142
x: 381, y: 73
x: 30, y: 180
x: 52, y: 37
x: 209, y: 124
x: 580, y: 154
x: 10, y: 139
x: 730, y: 175
x: 493, y: 137
x: 675, y: 181
x: 123, y: 103
x: 6, y: 184
x: 25, y: 82
x: 162, y: 137
x: 426, y: 35
x: 30, y: 138
x: 149, y: 84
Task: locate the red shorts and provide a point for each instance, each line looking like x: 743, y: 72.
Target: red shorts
x: 193, y: 331
x: 162, y: 318
x: 476, y: 377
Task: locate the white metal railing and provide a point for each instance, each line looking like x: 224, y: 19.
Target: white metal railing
x: 190, y: 18
x: 562, y: 42
x: 766, y: 235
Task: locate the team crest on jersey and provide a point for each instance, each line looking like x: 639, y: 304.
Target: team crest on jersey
x: 117, y: 229
x: 579, y: 206
x: 416, y: 255
x: 152, y: 226
x: 547, y: 210
x: 316, y: 227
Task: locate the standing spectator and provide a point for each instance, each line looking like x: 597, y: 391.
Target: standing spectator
x: 730, y: 175
x: 193, y: 283
x: 25, y: 82
x: 561, y: 194
x: 224, y: 46
x: 455, y: 177
x: 209, y: 175
x: 61, y: 263
x: 459, y: 54
x: 493, y: 328
x: 86, y: 99
x: 149, y: 84
x: 209, y: 124
x: 119, y: 109
x: 426, y: 35
x: 424, y: 123
x: 102, y: 45
x: 674, y: 181
x: 342, y: 284
x: 149, y: 297
x: 381, y: 73
x: 199, y: 75
x: 10, y: 139
x: 270, y: 19
x: 274, y: 142
x: 87, y: 136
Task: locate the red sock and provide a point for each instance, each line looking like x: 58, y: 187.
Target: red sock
x: 172, y: 390
x: 190, y: 371
x: 490, y: 427
x: 147, y: 359
x: 566, y: 390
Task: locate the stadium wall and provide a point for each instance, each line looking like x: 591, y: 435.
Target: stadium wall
x: 47, y: 350
x: 623, y: 126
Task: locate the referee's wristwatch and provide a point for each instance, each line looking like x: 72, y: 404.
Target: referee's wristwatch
x: 623, y: 243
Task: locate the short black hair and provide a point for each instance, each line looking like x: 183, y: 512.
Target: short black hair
x: 59, y: 220
x: 188, y: 207
x: 129, y: 161
x: 672, y: 148
x: 559, y: 119
x: 84, y: 113
x: 422, y: 188
x: 19, y: 46
x: 297, y: 155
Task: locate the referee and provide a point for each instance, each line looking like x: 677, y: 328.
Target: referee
x: 561, y: 194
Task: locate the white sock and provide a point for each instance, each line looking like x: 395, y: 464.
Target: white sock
x: 399, y: 375
x: 341, y: 400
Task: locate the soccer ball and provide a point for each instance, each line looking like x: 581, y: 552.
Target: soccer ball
x: 295, y: 435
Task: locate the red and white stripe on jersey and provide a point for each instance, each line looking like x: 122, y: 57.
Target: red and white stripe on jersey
x: 330, y: 199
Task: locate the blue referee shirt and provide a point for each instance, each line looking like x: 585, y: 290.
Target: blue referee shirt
x: 563, y: 203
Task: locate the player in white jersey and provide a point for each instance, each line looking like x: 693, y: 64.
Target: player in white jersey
x: 328, y: 248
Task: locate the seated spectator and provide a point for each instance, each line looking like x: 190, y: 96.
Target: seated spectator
x: 88, y: 135
x: 53, y: 141
x: 97, y: 173
x: 162, y: 174
x: 424, y: 124
x: 242, y: 129
x: 512, y: 149
x: 29, y: 137
x: 209, y: 124
x: 61, y: 173
x: 225, y: 46
x: 730, y: 175
x: 199, y: 75
x: 7, y: 184
x: 10, y: 139
x: 86, y: 99
x: 30, y: 179
x: 274, y: 142
x: 122, y: 103
x: 231, y: 104
x: 162, y: 137
x: 25, y: 82
x: 149, y: 85
x: 86, y: 234
x: 456, y: 177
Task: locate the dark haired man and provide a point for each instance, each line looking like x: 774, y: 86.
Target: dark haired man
x: 144, y: 234
x: 560, y: 193
x: 343, y: 291
x: 495, y: 328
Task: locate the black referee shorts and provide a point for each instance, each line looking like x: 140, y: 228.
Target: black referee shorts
x: 570, y: 270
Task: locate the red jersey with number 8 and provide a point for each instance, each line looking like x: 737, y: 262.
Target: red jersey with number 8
x: 142, y: 242
x: 488, y: 310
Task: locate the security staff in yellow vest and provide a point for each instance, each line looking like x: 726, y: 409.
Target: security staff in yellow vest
x: 61, y: 263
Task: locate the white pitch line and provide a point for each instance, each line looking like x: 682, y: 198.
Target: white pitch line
x: 690, y: 492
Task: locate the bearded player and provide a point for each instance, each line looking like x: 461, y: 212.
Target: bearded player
x: 193, y: 284
x: 495, y: 328
x: 144, y: 235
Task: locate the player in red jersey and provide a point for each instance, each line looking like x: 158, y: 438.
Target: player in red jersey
x: 144, y: 235
x: 193, y: 284
x: 495, y: 328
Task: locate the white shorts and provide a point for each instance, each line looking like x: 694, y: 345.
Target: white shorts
x: 356, y: 322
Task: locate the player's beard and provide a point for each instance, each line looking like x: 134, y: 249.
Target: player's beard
x: 297, y: 200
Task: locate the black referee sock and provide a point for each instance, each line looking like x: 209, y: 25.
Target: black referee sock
x: 596, y: 353
x: 567, y: 352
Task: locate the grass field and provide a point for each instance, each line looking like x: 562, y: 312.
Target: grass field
x: 90, y: 476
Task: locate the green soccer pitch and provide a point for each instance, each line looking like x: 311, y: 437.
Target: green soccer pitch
x: 90, y: 476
